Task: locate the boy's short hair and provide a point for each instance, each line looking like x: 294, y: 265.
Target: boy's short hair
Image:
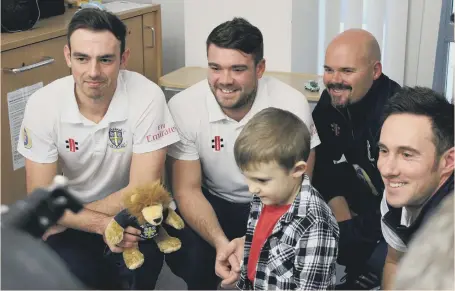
x: 272, y: 135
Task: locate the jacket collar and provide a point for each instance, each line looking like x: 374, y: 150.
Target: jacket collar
x: 393, y: 217
x: 297, y: 209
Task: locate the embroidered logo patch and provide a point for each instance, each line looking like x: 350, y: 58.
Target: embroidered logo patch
x: 313, y: 130
x: 27, y: 139
x: 335, y: 129
x: 72, y: 145
x: 217, y: 143
x: 148, y: 231
x: 117, y: 138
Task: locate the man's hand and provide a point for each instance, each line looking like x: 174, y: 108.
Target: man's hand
x: 228, y: 261
x: 340, y: 208
x: 130, y: 239
x: 53, y: 230
x: 390, y: 267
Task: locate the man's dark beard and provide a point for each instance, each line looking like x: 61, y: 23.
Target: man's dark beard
x: 338, y: 86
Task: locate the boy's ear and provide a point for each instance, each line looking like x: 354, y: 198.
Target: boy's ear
x: 299, y: 169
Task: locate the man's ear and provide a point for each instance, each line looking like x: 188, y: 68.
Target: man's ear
x: 377, y: 70
x: 447, y: 164
x: 260, y: 69
x: 124, y: 58
x: 299, y: 169
x: 67, y: 54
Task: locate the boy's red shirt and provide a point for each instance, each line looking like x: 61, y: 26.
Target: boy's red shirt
x: 270, y: 215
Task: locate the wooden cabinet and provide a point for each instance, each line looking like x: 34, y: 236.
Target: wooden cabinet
x: 50, y: 64
x: 35, y: 56
x: 145, y: 43
x: 134, y: 44
x: 151, y: 24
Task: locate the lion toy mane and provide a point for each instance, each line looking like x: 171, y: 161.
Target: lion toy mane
x: 146, y: 208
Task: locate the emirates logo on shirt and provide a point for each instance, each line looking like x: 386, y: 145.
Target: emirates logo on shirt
x: 217, y: 143
x: 72, y: 145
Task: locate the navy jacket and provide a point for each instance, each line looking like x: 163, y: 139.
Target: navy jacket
x: 352, y: 135
x: 347, y: 156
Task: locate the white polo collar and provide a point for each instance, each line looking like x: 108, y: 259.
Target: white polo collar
x: 117, y: 111
x: 262, y: 101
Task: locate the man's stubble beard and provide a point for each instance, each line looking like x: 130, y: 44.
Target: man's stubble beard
x: 246, y: 100
x: 242, y: 102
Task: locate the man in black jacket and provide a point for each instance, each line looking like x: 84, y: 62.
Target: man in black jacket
x: 347, y: 118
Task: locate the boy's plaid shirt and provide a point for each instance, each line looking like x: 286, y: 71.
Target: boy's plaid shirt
x: 301, y: 251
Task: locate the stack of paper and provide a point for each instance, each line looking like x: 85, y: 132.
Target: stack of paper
x: 122, y: 6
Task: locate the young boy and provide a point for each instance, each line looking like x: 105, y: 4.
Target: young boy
x: 292, y: 236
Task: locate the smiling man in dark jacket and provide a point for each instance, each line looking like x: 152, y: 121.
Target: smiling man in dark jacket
x: 347, y: 118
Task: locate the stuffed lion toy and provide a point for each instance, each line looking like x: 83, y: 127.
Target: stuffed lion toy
x: 146, y: 208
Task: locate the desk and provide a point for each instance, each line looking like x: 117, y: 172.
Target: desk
x: 185, y: 77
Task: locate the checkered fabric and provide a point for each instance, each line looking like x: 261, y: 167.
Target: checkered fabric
x: 301, y: 251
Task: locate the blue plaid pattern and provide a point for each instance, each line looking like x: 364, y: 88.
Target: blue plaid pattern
x: 301, y: 251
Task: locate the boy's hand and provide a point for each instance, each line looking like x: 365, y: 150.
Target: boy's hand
x: 227, y: 263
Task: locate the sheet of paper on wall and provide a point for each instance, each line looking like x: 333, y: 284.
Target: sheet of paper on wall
x: 122, y: 6
x: 16, y: 107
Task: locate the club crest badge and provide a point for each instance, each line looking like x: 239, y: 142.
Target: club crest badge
x: 117, y: 138
x: 148, y: 231
x: 27, y: 139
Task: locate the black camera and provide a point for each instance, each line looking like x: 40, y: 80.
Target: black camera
x: 27, y: 262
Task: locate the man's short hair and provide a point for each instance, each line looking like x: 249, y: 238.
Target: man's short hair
x: 272, y: 135
x: 95, y: 19
x: 240, y: 35
x: 426, y: 102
